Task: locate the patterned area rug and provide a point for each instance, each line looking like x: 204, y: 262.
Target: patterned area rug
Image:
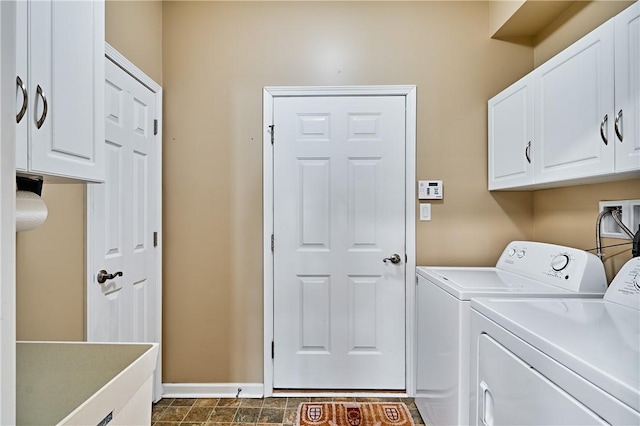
x: 354, y: 414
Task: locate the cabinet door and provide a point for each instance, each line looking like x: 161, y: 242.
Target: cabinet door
x: 66, y: 50
x: 627, y: 89
x: 573, y: 110
x: 511, y: 136
x: 23, y: 116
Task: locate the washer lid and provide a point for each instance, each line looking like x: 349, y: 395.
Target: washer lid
x: 597, y: 339
x: 465, y: 283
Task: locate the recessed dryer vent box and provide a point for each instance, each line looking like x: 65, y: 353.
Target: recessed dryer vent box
x: 630, y: 217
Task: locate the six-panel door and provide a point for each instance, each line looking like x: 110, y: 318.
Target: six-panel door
x: 122, y: 309
x: 339, y: 201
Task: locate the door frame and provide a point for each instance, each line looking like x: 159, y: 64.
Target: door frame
x: 409, y: 93
x: 7, y: 213
x: 118, y: 59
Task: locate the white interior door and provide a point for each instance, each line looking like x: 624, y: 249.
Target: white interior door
x: 121, y: 220
x: 339, y: 210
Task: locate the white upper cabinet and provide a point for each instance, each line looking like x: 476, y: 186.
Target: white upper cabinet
x: 511, y: 136
x: 61, y: 63
x: 585, y: 114
x: 22, y: 94
x: 573, y: 112
x: 627, y: 90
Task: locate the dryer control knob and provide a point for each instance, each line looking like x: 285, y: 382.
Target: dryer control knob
x: 511, y: 252
x: 560, y: 262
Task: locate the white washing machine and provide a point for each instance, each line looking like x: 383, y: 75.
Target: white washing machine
x: 558, y: 361
x: 525, y: 269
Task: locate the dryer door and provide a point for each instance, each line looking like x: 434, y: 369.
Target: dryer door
x: 511, y: 392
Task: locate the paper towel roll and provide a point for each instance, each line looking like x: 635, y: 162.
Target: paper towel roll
x: 31, y: 211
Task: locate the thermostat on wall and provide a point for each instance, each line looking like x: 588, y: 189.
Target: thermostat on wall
x: 430, y: 190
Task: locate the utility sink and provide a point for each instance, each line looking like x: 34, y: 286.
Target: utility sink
x: 84, y: 383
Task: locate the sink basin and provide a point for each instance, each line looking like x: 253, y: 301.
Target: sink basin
x: 77, y: 383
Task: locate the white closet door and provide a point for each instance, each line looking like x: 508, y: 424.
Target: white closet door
x: 339, y: 200
x: 122, y: 309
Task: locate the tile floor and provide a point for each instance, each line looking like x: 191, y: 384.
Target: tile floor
x: 244, y: 411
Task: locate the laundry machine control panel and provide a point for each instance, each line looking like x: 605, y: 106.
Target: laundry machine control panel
x: 565, y: 267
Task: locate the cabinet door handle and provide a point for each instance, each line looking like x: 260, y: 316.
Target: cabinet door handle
x: 618, y: 125
x: 25, y: 99
x: 527, y: 152
x: 40, y: 121
x: 603, y: 123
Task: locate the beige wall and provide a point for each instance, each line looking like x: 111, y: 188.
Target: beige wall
x: 134, y: 28
x: 50, y: 260
x: 217, y: 58
x: 578, y: 20
x: 50, y: 269
x: 568, y: 215
x: 500, y: 12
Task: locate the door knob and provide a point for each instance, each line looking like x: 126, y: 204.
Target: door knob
x: 394, y: 258
x: 103, y: 276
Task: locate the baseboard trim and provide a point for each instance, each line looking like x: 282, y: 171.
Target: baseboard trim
x: 212, y: 390
x: 292, y: 393
x: 256, y: 390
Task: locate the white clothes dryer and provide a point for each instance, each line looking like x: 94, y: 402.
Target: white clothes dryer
x: 558, y: 361
x: 525, y: 269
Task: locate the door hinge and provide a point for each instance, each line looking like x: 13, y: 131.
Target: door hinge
x: 272, y: 130
x: 155, y: 126
x: 155, y: 239
x: 273, y: 349
x: 273, y: 243
x: 406, y: 258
